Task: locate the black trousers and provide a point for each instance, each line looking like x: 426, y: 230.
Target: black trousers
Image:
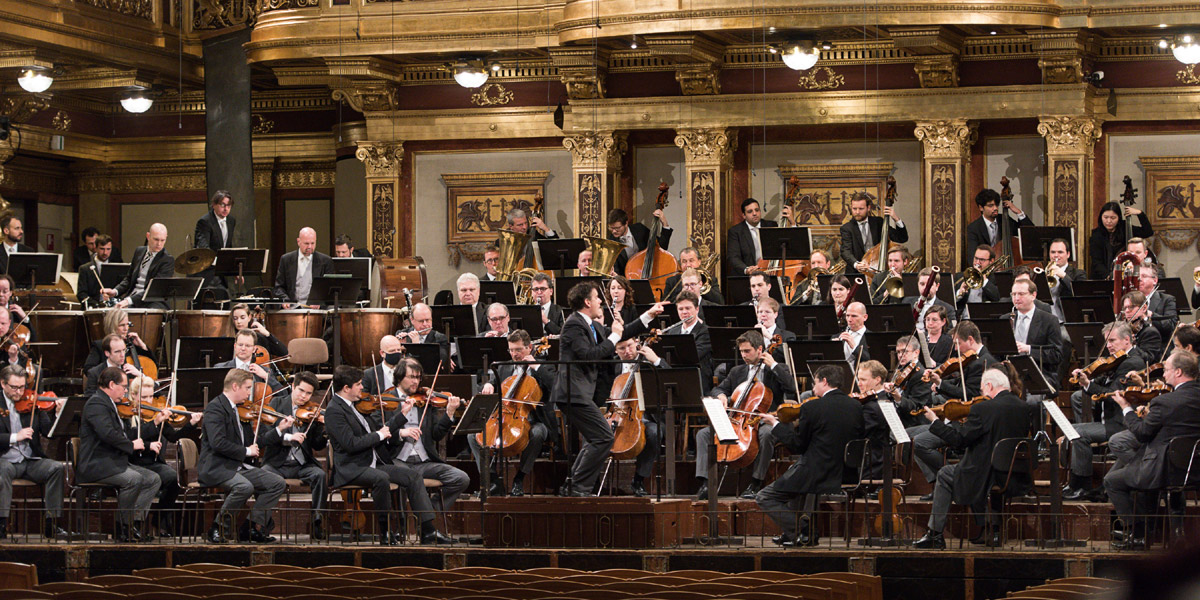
x: 377, y: 480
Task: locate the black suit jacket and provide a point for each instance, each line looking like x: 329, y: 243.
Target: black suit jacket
x: 914, y: 395
x: 740, y: 247
x: 1045, y: 343
x: 271, y: 381
x: 555, y: 323
x: 4, y: 255
x: 105, y: 448
x: 991, y: 293
x: 88, y: 284
x: 952, y: 387
x: 778, y: 379
x: 208, y: 232
x: 354, y: 447
x: 372, y: 377
x: 285, y: 275
x: 275, y: 450
x: 942, y: 349
x: 577, y: 384
x: 81, y: 256
x: 1005, y: 416
x: 1148, y: 344
x: 641, y: 237
x: 820, y: 435
x: 1102, y: 249
x: 1170, y: 416
x: 163, y: 265
x: 703, y: 346
x: 93, y: 377
x: 1107, y: 382
x: 852, y: 247
x: 222, y: 448
x: 1166, y: 313
x: 977, y: 234
x: 41, y: 427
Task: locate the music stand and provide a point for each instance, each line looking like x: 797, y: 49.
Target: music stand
x: 1088, y: 309
x: 454, y: 320
x: 1035, y: 241
x: 30, y: 269
x: 997, y: 335
x: 863, y: 293
x: 1032, y: 377
x: 666, y: 391
x: 357, y: 267
x: 335, y: 290
x: 478, y: 353
x: 1087, y: 339
x: 1003, y: 281
x: 429, y: 355
x: 989, y: 310
x: 491, y: 292
x: 240, y: 261
x: 882, y: 345
x: 911, y: 281
x: 737, y: 290
x: 456, y: 385
x: 806, y: 351
x: 563, y: 285
x: 474, y: 420
x: 66, y: 424
x: 194, y: 387
x: 678, y: 350
x: 643, y: 293
x: 741, y: 315
x: 1092, y: 287
x: 891, y: 317
x: 810, y: 321
x: 202, y: 352
x: 842, y: 365
x: 665, y: 319
x: 112, y: 274
x: 1174, y: 287
x: 724, y: 343
x: 529, y: 318
x: 560, y: 254
x: 948, y: 287
x: 784, y: 243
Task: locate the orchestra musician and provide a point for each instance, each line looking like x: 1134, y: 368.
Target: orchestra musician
x: 519, y: 222
x: 690, y: 281
x: 227, y: 452
x: 937, y: 337
x: 826, y: 424
x: 22, y: 455
x: 421, y: 331
x: 299, y: 268
x: 380, y: 379
x: 215, y: 231
x: 1106, y: 422
x: 987, y: 229
x: 583, y: 264
x: 243, y: 359
x: 543, y: 424
x: 1060, y: 266
x: 149, y: 262
x: 14, y: 234
x: 932, y: 301
x: 114, y: 356
x: 744, y: 240
x: 105, y: 457
x: 1187, y: 337
x: 1171, y: 415
x: 288, y: 452
x: 497, y: 317
x: 864, y: 231
x: 634, y: 237
x: 689, y: 324
x: 819, y: 259
x: 632, y: 349
x: 542, y: 290
x: 343, y: 247
x: 141, y: 389
x: 839, y: 288
x: 870, y: 375
x: 468, y: 295
x: 984, y: 255
x: 14, y: 355
x: 897, y: 258
x: 89, y: 272
x: 1138, y: 247
x: 9, y: 301
x: 1108, y: 238
x: 84, y: 252
x: 760, y: 291
x: 689, y: 258
x: 491, y: 260
x: 1148, y: 343
x: 776, y: 376
x: 1036, y: 331
x: 584, y: 339
x: 363, y: 448
x: 240, y: 318
x: 116, y: 321
x: 770, y: 325
x: 967, y: 482
x: 1163, y: 308
x: 620, y: 292
x: 913, y: 394
x: 853, y: 339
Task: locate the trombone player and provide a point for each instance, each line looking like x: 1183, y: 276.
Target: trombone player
x: 888, y: 288
x: 974, y: 284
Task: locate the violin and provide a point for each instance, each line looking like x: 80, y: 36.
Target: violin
x: 865, y: 397
x: 248, y: 412
x: 953, y: 365
x: 1137, y: 394
x: 953, y: 410
x: 789, y: 411
x: 367, y: 403
x: 903, y: 373
x: 749, y: 398
x: 1140, y: 377
x: 427, y: 396
x: 19, y: 336
x: 307, y: 412
x: 31, y: 399
x: 654, y: 263
x: 520, y: 394
x: 179, y: 414
x: 1103, y: 364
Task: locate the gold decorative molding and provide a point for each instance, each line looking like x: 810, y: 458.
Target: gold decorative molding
x: 494, y: 177
x: 260, y: 124
x: 698, y: 79
x: 219, y: 14
x: 368, y: 97
x: 61, y: 121
x: 143, y: 178
x: 582, y: 70
x: 270, y: 5
x: 1070, y: 134
x: 812, y: 80
x: 20, y: 108
x: 33, y: 177
x: 142, y: 9
x: 472, y: 251
x: 1061, y: 70
x: 382, y: 159
x: 946, y: 139
x: 702, y: 227
x: 597, y: 149
x: 486, y: 97
x: 937, y: 71
x: 713, y: 146
x: 838, y: 171
x: 1188, y: 76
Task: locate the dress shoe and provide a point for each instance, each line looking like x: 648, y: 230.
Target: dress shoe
x: 435, y: 537
x: 751, y: 490
x: 390, y: 538
x: 1134, y: 543
x: 494, y: 488
x: 3, y: 528
x: 983, y: 539
x: 577, y: 493
x: 166, y: 526
x: 932, y: 540
x: 517, y: 490
x: 783, y: 539
x: 926, y: 498
x: 639, y: 489
x: 318, y: 529
x: 807, y: 539
x: 1075, y: 494
x: 259, y: 536
x: 138, y: 533
x: 51, y: 531
x: 215, y: 534
x: 702, y: 493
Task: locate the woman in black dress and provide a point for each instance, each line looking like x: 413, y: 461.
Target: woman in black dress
x: 1108, y: 238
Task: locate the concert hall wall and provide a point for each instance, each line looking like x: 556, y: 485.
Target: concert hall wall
x: 1022, y: 160
x: 654, y: 164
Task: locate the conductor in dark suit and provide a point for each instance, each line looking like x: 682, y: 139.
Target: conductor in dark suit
x: 215, y: 230
x: 14, y: 233
x: 288, y: 452
x: 634, y: 237
x: 826, y: 424
x: 744, y: 239
x: 986, y: 230
x: 299, y: 268
x: 1037, y: 332
x: 104, y: 457
x: 1171, y: 415
x: 584, y: 340
x: 89, y: 272
x: 864, y: 231
x: 227, y: 449
x: 968, y: 482
x: 149, y: 262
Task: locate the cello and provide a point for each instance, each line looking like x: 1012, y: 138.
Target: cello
x: 625, y: 412
x: 654, y: 263
x: 875, y: 258
x: 790, y: 271
x: 750, y: 398
x: 520, y: 395
x: 1004, y: 246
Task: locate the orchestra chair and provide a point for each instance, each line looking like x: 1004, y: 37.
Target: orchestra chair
x: 1183, y: 476
x: 854, y: 459
x: 1010, y: 457
x: 306, y: 352
x: 348, y: 490
x: 84, y: 491
x: 189, y: 458
x: 17, y: 576
x: 24, y: 486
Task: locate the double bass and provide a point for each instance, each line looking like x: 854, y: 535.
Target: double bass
x: 654, y: 263
x: 1126, y: 263
x: 875, y: 258
x: 1004, y: 246
x: 750, y: 399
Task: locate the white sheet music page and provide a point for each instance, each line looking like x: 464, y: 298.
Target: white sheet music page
x: 1061, y: 420
x: 717, y: 416
x: 893, y: 420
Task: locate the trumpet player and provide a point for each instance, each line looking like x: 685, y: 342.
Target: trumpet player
x: 896, y: 259
x: 986, y: 292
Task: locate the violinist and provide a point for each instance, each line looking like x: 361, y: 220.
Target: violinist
x: 897, y: 258
x: 288, y: 451
x: 380, y: 379
x: 1106, y: 422
x: 543, y: 425
x: 141, y: 389
x: 116, y: 320
x: 686, y: 304
x: 7, y: 300
x: 23, y: 457
x: 826, y: 424
x: 240, y: 318
x: 770, y: 326
x: 910, y: 393
x: 227, y: 451
x: 243, y: 359
x: 933, y: 299
x: 776, y: 376
x: 1162, y: 308
x: 1170, y: 415
x: 853, y: 342
x: 631, y: 349
x: 1037, y: 332
x: 542, y: 289
x: 114, y: 356
x: 744, y: 242
x: 105, y: 457
x: 863, y: 231
x: 14, y: 354
x: 620, y: 292
x: 1108, y: 238
x: 987, y: 230
x: 634, y: 237
x: 421, y: 331
x: 967, y: 482
x: 937, y: 336
x: 870, y: 375
x: 1146, y: 339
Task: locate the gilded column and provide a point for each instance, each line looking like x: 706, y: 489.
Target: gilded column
x: 708, y: 165
x: 1070, y: 150
x: 382, y: 160
x: 595, y: 165
x: 946, y: 150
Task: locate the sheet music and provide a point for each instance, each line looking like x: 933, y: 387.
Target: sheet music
x: 722, y: 428
x: 893, y: 420
x: 1061, y: 420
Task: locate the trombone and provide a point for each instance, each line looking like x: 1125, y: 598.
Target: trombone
x: 974, y: 278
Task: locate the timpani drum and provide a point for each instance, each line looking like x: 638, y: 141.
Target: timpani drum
x: 146, y: 322
x: 287, y: 325
x: 361, y: 330
x: 66, y: 329
x: 203, y: 323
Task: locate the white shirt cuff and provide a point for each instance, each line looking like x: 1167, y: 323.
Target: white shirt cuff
x: 645, y: 318
x: 287, y: 437
x: 12, y: 439
x: 381, y: 438
x: 614, y: 338
x: 1126, y: 410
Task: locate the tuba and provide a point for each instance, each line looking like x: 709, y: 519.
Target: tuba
x: 604, y: 255
x: 512, y: 246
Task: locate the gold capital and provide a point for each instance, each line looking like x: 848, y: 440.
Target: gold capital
x: 1070, y: 134
x: 597, y: 149
x: 382, y: 159
x: 946, y: 139
x: 714, y: 146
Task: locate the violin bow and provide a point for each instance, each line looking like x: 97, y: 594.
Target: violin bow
x: 429, y: 398
x: 320, y: 407
x: 379, y: 397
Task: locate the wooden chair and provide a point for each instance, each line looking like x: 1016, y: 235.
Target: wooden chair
x: 130, y: 589
x: 481, y: 584
x: 284, y: 590
x: 26, y: 595
x: 171, y: 595
x: 870, y: 587
x: 237, y: 596
x: 558, y: 586
x: 407, y: 570
x: 845, y: 590
x: 194, y: 579
x: 205, y: 567
x: 83, y: 491
x: 592, y: 579
x: 480, y: 571
x: 554, y: 571
x: 1048, y: 595
x: 375, y: 577
x: 796, y: 588
x: 774, y: 575
x: 340, y: 569
x: 697, y: 574
x: 598, y: 594
x: 230, y: 574
x: 17, y: 576
x: 272, y: 569
x: 520, y: 577
x: 638, y: 586
x: 257, y: 583
x: 757, y: 595
x: 189, y: 458
x: 206, y: 590
x: 520, y: 593
x: 668, y: 580
x: 679, y: 595
x: 443, y: 576
x: 154, y: 573
x: 90, y: 595
x: 303, y: 576
x: 329, y: 582
x: 712, y: 587
x: 1100, y: 582
x: 111, y: 580
x: 59, y: 587
x: 625, y: 573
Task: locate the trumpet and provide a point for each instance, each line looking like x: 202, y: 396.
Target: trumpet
x: 1051, y: 279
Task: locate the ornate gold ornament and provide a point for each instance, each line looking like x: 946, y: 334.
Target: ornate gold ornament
x: 382, y: 159
x: 383, y: 210
x: 707, y: 145
x: 590, y: 204
x: 1066, y: 192
x: 1070, y: 135
x: 270, y: 5
x: 369, y: 97
x: 1188, y: 76
x: 582, y: 70
x: 478, y: 203
x: 703, y: 231
x: 485, y: 96
x: 20, y: 108
x: 61, y: 121
x: 813, y: 80
x: 472, y: 251
x: 937, y: 71
x: 597, y: 149
x: 699, y: 80
x: 260, y: 124
x: 219, y: 14
x: 946, y: 139
x: 142, y: 9
x: 1061, y: 70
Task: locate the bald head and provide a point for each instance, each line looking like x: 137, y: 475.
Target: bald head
x: 306, y: 241
x: 156, y: 238
x: 388, y: 344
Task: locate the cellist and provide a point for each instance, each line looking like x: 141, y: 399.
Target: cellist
x: 776, y: 376
x: 631, y: 349
x: 543, y: 425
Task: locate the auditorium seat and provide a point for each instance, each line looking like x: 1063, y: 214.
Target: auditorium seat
x: 479, y: 571
x: 374, y: 577
x: 111, y: 580
x: 340, y: 569
x: 130, y: 589
x: 172, y: 595
x: 205, y: 567
x: 597, y: 594
x: 26, y: 595
x: 870, y: 587
x: 230, y: 574
x: 482, y: 584
x: 209, y: 588
x: 560, y: 586
x: 635, y: 586
x: 186, y: 580
x: 711, y: 587
x: 305, y: 575
x: 270, y: 569
x: 17, y: 576
x: 677, y: 595
x: 554, y: 571
x: 593, y: 578
x: 59, y: 587
x: 698, y: 574
x: 407, y: 570
x: 623, y: 573
x: 89, y: 595
x: 798, y: 589
x: 666, y: 579
x: 155, y: 573
x: 520, y: 577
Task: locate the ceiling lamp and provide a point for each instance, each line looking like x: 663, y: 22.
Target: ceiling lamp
x: 34, y: 81
x: 801, y: 56
x: 1186, y: 49
x: 469, y: 73
x: 137, y: 102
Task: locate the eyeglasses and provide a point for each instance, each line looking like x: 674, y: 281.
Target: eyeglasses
x: 540, y: 289
x: 15, y: 387
x: 497, y: 319
x: 491, y: 261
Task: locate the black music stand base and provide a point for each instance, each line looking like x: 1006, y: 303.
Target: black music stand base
x: 1055, y: 508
